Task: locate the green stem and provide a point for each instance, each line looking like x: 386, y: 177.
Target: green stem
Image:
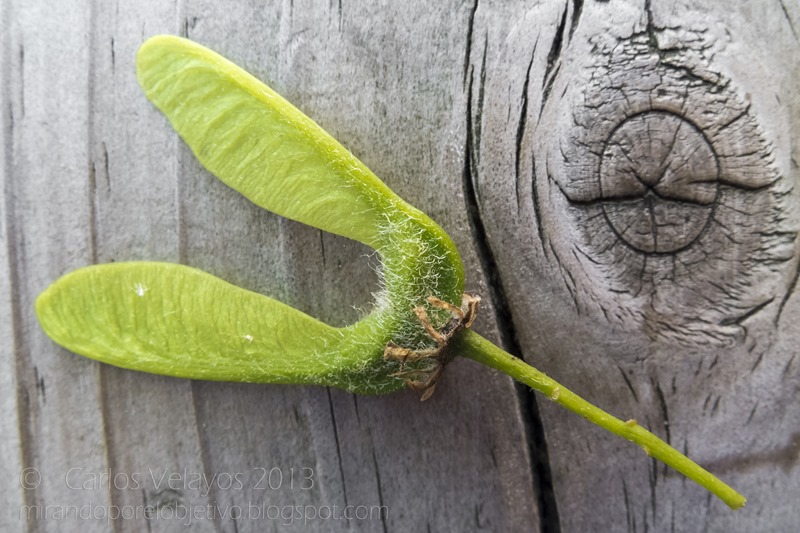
x: 475, y: 347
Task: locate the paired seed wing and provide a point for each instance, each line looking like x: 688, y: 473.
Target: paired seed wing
x: 180, y: 321
x: 258, y: 143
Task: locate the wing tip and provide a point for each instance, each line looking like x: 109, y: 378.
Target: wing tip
x: 152, y: 52
x: 46, y: 310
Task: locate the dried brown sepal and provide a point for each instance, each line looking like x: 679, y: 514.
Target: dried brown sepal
x: 425, y: 379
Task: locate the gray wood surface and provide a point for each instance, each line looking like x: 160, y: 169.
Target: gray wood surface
x: 619, y: 178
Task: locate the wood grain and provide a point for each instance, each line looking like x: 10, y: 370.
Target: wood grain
x: 695, y: 359
x: 58, y: 400
x: 481, y: 114
x: 11, y: 469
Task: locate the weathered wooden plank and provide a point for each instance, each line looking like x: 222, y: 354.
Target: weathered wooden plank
x: 48, y: 215
x: 701, y: 354
x: 11, y: 469
x: 477, y: 113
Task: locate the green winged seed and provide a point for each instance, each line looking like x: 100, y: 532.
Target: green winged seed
x: 175, y: 320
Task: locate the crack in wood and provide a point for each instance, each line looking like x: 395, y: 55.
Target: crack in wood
x: 377, y: 471
x: 534, y: 429
x: 789, y: 20
x: 577, y: 8
x: 552, y: 68
x: 470, y: 29
x: 521, y: 124
x: 338, y: 445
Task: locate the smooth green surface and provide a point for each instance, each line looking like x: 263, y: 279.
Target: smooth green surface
x: 260, y: 144
x: 186, y: 323
x: 475, y: 347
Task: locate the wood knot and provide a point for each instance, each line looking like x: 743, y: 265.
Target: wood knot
x: 426, y: 377
x: 658, y: 197
x: 658, y: 181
